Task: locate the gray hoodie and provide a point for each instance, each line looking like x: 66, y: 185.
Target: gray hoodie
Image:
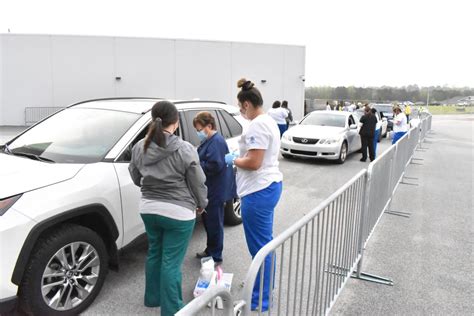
x: 172, y: 174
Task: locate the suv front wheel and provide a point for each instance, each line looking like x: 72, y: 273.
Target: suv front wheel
x: 65, y: 273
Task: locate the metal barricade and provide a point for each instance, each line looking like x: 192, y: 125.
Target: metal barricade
x: 313, y: 259
x: 414, y: 138
x: 199, y: 306
x: 36, y: 114
x: 380, y: 191
x: 399, y: 161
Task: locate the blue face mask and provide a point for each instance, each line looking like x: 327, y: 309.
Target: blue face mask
x: 202, y: 136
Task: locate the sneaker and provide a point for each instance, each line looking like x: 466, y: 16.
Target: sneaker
x: 201, y: 255
x: 362, y: 159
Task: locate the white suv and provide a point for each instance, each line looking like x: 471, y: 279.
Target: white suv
x: 68, y: 204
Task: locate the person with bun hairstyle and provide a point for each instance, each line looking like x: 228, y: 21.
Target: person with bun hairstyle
x: 259, y: 181
x: 172, y: 183
x: 220, y: 182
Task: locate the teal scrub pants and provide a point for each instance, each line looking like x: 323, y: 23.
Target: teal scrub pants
x: 168, y: 240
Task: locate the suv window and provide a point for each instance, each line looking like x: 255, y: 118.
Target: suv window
x: 190, y: 134
x: 126, y: 156
x: 235, y: 129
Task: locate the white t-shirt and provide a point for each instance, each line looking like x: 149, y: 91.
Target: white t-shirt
x: 279, y: 115
x: 400, y: 123
x: 262, y: 133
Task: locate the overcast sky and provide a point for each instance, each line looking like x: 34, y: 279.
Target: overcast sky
x: 351, y: 42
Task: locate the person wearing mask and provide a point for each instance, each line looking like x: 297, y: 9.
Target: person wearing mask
x: 259, y: 180
x: 171, y: 180
x: 328, y: 107
x: 400, y: 125
x: 378, y: 130
x: 279, y: 115
x: 367, y: 133
x: 289, y: 118
x: 220, y: 183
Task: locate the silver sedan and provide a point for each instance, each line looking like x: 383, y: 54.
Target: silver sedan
x: 323, y: 134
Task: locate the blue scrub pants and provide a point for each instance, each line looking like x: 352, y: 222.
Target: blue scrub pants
x: 283, y: 128
x: 376, y: 141
x: 257, y: 217
x: 397, y: 136
x: 213, y: 220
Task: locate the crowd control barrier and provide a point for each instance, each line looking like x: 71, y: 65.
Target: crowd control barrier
x: 312, y: 260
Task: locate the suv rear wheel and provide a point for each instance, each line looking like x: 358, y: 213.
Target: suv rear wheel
x: 66, y: 272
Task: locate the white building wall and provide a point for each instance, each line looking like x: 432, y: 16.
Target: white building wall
x: 203, y: 70
x: 83, y: 68
x: 56, y: 70
x: 149, y: 62
x: 26, y: 76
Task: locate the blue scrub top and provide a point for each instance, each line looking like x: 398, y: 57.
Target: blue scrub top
x: 220, y: 178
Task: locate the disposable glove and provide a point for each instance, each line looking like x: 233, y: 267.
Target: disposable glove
x: 230, y: 157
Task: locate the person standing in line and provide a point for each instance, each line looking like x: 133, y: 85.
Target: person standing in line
x: 289, y: 118
x: 167, y: 170
x: 220, y: 183
x: 400, y: 125
x: 378, y: 130
x: 367, y: 132
x: 407, y: 112
x: 279, y: 115
x: 328, y: 107
x: 259, y: 181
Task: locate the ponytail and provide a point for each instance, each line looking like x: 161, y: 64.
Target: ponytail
x: 163, y: 113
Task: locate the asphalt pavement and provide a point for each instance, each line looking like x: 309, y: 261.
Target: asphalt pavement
x: 429, y: 255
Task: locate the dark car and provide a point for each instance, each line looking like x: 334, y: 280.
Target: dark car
x: 385, y: 110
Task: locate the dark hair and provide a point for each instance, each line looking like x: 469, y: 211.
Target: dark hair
x: 249, y: 93
x: 367, y: 110
x: 204, y: 118
x: 276, y: 104
x: 163, y: 113
x: 373, y: 110
x: 284, y: 104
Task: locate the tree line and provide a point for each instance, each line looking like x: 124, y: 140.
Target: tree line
x: 411, y: 93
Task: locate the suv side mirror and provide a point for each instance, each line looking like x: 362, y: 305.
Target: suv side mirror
x: 353, y: 126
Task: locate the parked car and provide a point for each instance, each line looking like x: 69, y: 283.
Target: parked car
x: 381, y: 123
x: 68, y: 204
x: 386, y: 111
x: 323, y: 134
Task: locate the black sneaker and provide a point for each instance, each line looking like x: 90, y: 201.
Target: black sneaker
x: 201, y: 255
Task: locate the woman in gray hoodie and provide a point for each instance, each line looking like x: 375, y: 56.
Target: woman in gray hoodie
x: 172, y: 185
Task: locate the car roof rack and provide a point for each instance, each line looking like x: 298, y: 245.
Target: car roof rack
x: 144, y: 98
x: 116, y: 98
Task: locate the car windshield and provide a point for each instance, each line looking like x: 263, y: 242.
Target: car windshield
x: 74, y: 135
x: 324, y: 119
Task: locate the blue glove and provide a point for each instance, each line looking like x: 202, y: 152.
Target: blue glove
x: 230, y: 157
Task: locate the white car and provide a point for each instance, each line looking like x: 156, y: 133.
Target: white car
x: 323, y: 134
x: 68, y: 204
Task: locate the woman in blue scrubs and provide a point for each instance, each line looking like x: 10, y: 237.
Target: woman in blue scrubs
x: 219, y: 182
x: 259, y: 181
